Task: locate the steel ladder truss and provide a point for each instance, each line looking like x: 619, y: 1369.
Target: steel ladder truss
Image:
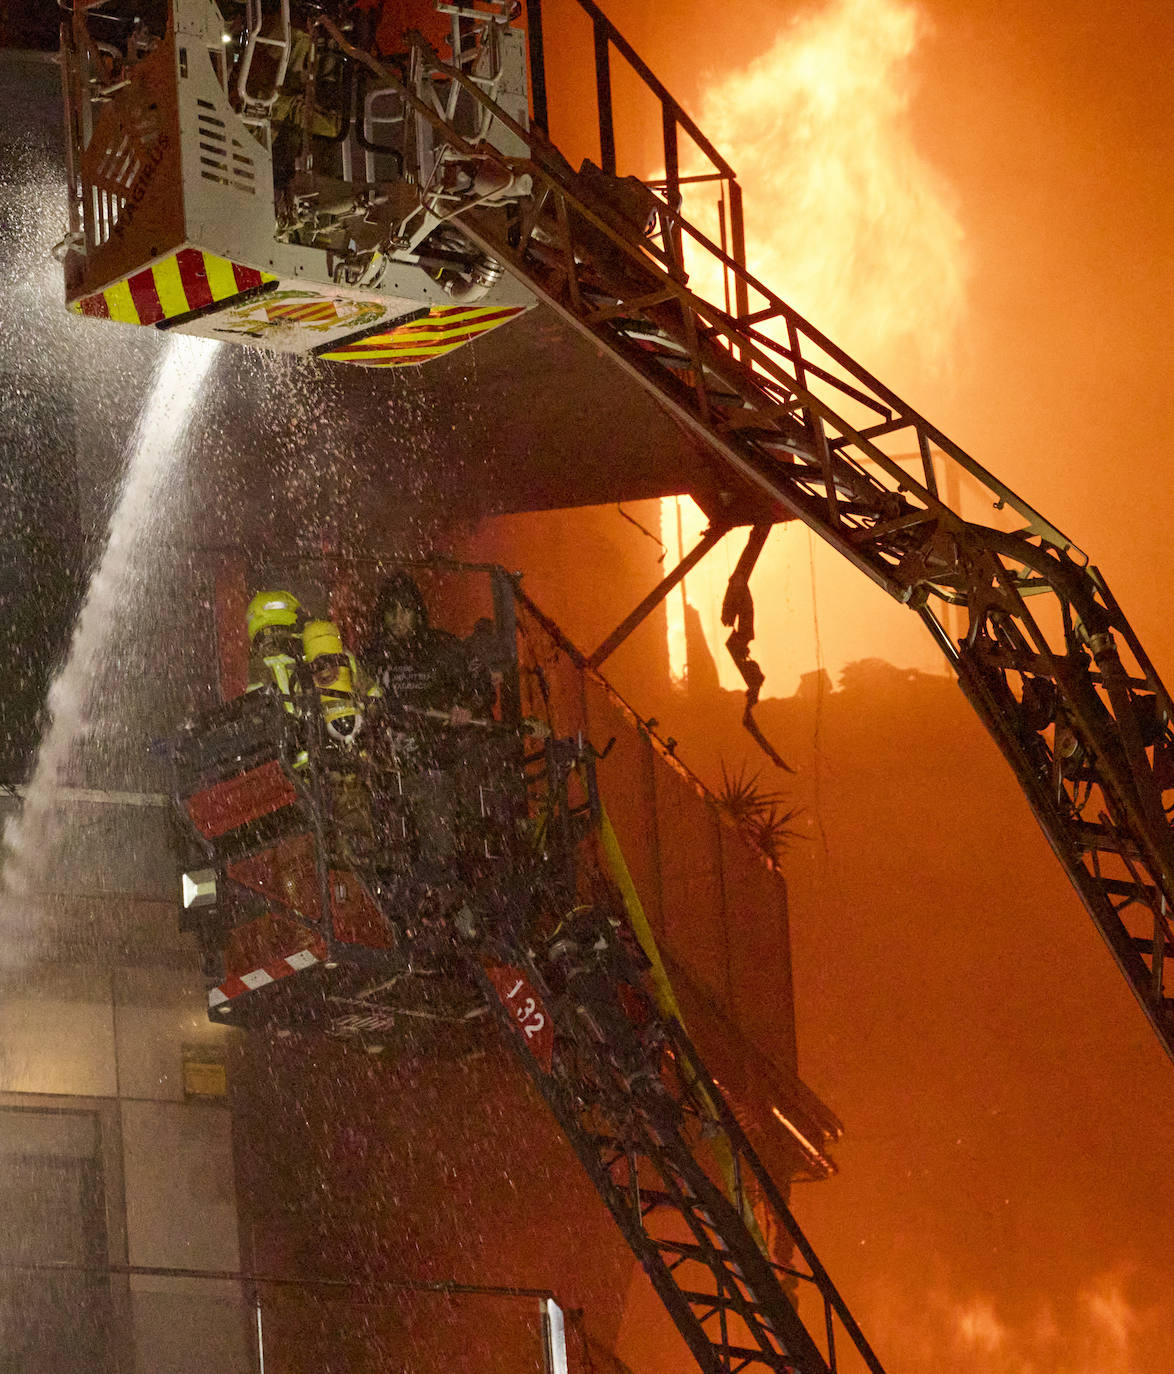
x: 642, y: 1114
x: 631, y: 1094
x: 647, y: 1121
x: 800, y: 430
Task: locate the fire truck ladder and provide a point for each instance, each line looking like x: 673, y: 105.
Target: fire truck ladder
x: 648, y: 1122
x: 800, y: 430
x: 641, y: 1128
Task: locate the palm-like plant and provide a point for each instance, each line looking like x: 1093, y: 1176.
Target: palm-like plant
x: 761, y: 815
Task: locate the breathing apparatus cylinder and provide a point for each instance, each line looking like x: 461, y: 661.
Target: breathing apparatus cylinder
x: 333, y: 671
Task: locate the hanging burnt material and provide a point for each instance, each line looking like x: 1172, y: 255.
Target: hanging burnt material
x: 738, y: 612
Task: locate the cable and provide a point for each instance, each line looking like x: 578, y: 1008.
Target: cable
x: 819, y: 676
x: 664, y: 548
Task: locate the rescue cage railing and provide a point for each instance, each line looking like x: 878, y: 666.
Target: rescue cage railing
x: 268, y: 734
x: 675, y: 122
x: 551, y: 1317
x: 541, y: 785
x: 1096, y: 763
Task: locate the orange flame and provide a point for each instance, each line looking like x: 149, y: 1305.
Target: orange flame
x: 849, y: 223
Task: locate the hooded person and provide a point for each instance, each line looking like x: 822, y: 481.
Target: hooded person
x: 421, y: 669
x: 427, y: 681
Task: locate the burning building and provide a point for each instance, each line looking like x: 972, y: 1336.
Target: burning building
x: 1079, y: 738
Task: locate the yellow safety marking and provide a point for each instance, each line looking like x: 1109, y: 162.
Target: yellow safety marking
x: 471, y: 312
x: 618, y: 868
x: 666, y: 1000
x: 121, y: 304
x: 438, y: 336
x: 412, y: 338
x: 169, y: 288
x: 221, y: 279
x: 419, y: 340
x: 392, y: 351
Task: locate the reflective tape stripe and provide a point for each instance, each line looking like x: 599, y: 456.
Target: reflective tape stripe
x: 374, y: 354
x: 145, y: 297
x: 169, y: 286
x: 120, y: 305
x: 463, y: 314
x: 189, y: 280
x: 256, y: 978
x: 248, y: 278
x: 418, y: 340
x: 95, y: 306
x: 194, y: 273
x: 221, y: 279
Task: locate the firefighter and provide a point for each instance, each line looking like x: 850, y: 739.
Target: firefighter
x: 428, y: 681
x: 337, y: 682
x: 423, y: 672
x: 275, y: 620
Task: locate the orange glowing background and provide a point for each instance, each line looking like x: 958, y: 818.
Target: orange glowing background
x: 862, y: 235
x: 975, y: 201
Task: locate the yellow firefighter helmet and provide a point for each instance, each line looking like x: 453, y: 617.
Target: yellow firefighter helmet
x: 321, y: 637
x: 271, y: 608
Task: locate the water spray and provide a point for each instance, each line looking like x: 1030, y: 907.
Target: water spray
x: 33, y: 837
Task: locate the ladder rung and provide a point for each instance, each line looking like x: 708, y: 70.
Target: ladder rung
x: 719, y: 1300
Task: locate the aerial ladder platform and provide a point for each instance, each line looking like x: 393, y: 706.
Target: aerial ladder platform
x: 353, y: 892
x: 400, y: 198
x: 388, y: 206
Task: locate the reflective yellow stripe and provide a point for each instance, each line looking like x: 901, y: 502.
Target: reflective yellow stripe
x: 169, y: 288
x: 120, y: 304
x: 380, y: 361
x: 411, y: 344
x: 439, y: 335
x: 371, y: 353
x: 437, y: 329
x: 667, y: 1002
x: 457, y: 316
x: 221, y: 278
x: 617, y: 867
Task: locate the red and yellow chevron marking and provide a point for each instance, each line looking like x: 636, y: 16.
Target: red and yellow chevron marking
x: 444, y: 328
x: 304, y: 312
x: 190, y: 280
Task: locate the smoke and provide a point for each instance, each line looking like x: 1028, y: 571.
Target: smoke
x: 1103, y: 1329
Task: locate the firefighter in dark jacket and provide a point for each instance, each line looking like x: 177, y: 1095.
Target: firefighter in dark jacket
x: 435, y: 698
x: 423, y: 672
